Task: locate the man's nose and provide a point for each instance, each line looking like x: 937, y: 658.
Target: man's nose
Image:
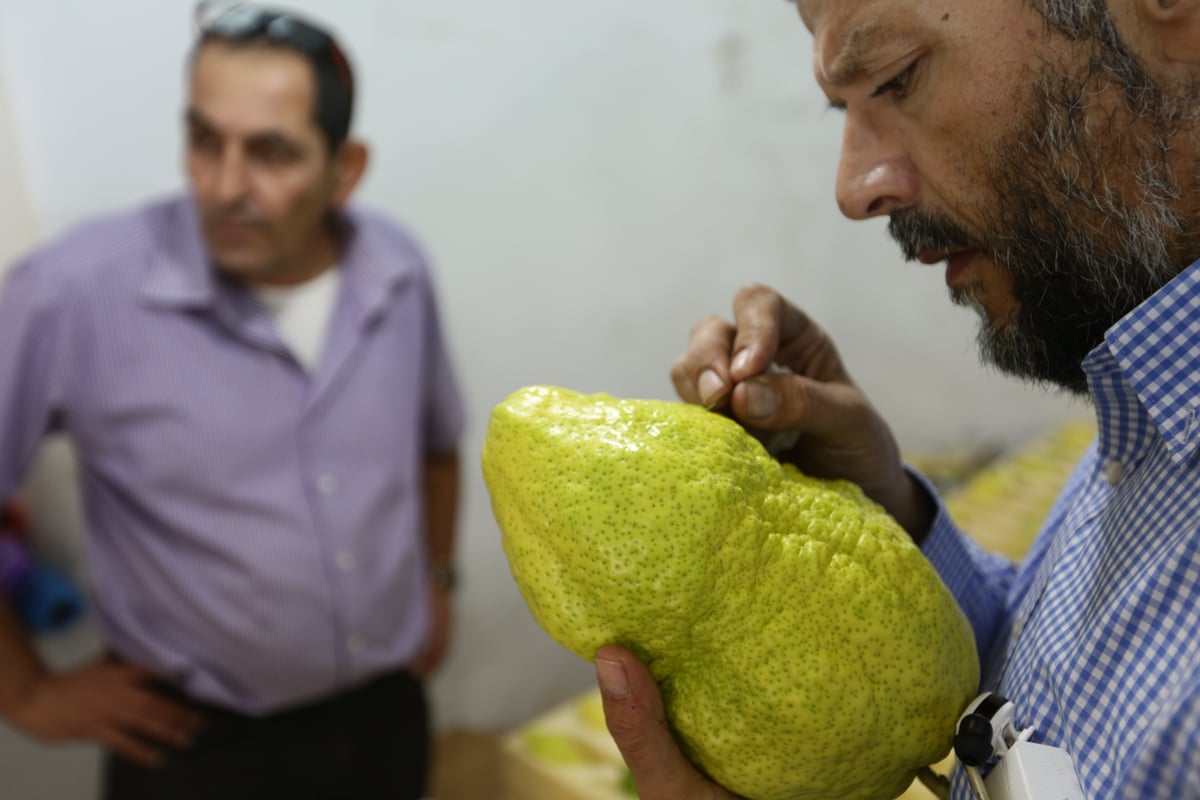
x: 875, y: 176
x: 232, y: 180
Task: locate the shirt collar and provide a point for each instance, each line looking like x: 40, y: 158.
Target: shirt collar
x: 181, y: 276
x: 375, y: 262
x: 1145, y: 377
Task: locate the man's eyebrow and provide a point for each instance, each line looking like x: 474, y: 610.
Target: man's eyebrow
x: 275, y: 138
x: 269, y: 136
x: 851, y: 60
x: 194, y: 117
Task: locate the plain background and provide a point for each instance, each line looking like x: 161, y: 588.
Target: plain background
x: 589, y: 180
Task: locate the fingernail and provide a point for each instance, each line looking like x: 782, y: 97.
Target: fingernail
x: 741, y: 364
x: 761, y: 400
x: 710, y: 386
x: 613, y: 680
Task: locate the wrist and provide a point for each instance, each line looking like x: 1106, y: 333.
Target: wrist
x: 442, y: 575
x: 14, y: 701
x: 913, y: 508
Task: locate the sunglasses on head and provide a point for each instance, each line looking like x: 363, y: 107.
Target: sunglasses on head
x: 241, y: 21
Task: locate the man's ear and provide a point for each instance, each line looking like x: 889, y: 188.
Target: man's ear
x: 1174, y: 27
x: 349, y: 165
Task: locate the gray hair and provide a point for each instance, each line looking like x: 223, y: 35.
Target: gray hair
x: 1089, y: 22
x: 1076, y: 19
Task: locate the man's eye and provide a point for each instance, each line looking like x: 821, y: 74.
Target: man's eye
x: 202, y: 140
x: 898, y: 85
x: 274, y: 153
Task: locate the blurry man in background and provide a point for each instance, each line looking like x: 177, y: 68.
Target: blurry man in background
x: 256, y: 383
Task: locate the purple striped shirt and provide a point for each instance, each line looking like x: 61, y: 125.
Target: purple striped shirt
x: 255, y: 532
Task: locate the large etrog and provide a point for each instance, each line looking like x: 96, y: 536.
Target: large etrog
x: 804, y: 646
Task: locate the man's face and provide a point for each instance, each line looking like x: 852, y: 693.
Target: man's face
x: 1009, y: 154
x: 258, y: 164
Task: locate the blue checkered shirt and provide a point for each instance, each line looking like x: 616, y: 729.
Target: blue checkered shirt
x: 1096, y: 635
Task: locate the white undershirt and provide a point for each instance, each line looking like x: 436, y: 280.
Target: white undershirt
x: 302, y: 313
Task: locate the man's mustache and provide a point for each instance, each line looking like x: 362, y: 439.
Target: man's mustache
x: 918, y: 232
x: 235, y: 216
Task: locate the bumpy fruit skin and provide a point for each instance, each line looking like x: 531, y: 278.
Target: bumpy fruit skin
x: 804, y: 646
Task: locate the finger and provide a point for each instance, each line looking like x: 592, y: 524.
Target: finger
x: 155, y: 717
x: 161, y: 729
x: 437, y: 643
x: 701, y: 376
x: 806, y: 349
x: 130, y: 748
x: 432, y: 662
x: 783, y: 401
x: 758, y: 313
x: 423, y: 665
x: 772, y: 330
x: 634, y: 712
x: 130, y: 674
x: 428, y: 659
x: 144, y: 691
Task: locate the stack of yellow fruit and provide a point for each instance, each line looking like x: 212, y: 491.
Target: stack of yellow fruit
x: 565, y: 754
x: 1004, y: 505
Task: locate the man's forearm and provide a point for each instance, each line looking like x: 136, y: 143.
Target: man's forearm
x: 441, y: 507
x: 20, y: 665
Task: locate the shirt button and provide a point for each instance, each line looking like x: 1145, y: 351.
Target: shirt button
x: 346, y: 561
x: 326, y: 484
x: 355, y: 644
x: 1113, y: 470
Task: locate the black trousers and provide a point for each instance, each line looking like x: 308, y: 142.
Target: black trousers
x: 371, y: 743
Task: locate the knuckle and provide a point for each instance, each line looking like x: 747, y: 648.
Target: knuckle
x: 635, y: 746
x: 636, y: 735
x: 753, y: 292
x: 706, y: 324
x: 626, y: 728
x: 793, y: 392
x: 140, y: 705
x: 748, y: 290
x: 112, y: 742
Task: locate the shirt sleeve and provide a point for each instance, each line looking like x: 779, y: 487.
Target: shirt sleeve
x: 444, y: 416
x: 980, y: 581
x: 33, y: 366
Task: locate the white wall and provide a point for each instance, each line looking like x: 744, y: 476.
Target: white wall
x: 16, y: 217
x: 590, y: 178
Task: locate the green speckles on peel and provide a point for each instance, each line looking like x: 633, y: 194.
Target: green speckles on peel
x: 804, y: 646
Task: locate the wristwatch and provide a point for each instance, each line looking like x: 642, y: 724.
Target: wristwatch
x: 443, y: 576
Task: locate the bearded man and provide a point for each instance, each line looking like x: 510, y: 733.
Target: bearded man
x: 1046, y: 152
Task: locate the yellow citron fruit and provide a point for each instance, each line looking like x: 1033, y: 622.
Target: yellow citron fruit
x: 555, y: 748
x: 590, y: 710
x: 804, y: 646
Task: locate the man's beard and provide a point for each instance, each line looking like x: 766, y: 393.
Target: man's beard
x: 1081, y: 254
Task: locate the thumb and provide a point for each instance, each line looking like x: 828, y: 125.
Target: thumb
x: 634, y: 711
x: 781, y: 401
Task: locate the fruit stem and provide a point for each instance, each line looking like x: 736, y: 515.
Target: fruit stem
x: 938, y: 784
